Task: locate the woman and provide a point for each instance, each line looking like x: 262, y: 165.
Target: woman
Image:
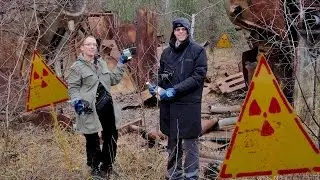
x: 89, y: 84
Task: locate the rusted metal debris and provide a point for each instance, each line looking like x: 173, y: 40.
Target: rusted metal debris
x: 126, y: 128
x: 262, y: 14
x: 111, y: 53
x: 153, y: 137
x: 148, y: 135
x: 144, y: 64
x: 208, y: 126
x: 110, y: 48
x: 116, y: 37
x: 145, y: 67
x: 102, y: 25
x: 214, y: 138
x: 263, y: 22
x: 45, y: 119
x: 126, y: 36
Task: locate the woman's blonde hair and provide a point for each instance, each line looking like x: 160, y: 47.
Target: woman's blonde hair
x: 87, y: 36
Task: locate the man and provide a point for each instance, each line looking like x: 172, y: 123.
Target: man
x: 183, y: 67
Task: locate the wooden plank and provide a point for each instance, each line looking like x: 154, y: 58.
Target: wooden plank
x: 231, y: 83
x: 225, y: 109
x: 210, y: 155
x: 111, y: 53
x: 145, y: 95
x: 217, y: 134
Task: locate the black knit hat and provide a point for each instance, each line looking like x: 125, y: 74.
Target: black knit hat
x: 181, y: 22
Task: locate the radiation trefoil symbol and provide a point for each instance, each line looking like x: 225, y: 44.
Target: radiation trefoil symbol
x: 269, y: 138
x: 36, y: 76
x: 45, y: 88
x: 255, y: 110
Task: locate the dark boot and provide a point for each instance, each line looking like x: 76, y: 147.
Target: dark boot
x: 107, y: 171
x: 96, y: 174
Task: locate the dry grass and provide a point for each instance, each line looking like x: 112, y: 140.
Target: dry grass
x: 33, y: 153
x: 137, y: 162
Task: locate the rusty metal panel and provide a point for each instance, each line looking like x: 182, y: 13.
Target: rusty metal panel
x: 102, y: 25
x: 107, y: 26
x: 145, y: 67
x: 264, y: 14
x: 111, y: 53
x: 264, y: 19
x: 112, y: 18
x: 126, y: 36
x: 8, y: 50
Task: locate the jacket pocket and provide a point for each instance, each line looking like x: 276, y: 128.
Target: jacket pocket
x: 88, y: 78
x: 187, y: 66
x: 105, y: 76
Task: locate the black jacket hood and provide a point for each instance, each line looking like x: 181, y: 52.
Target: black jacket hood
x: 180, y: 22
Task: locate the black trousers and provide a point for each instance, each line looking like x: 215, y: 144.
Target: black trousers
x: 107, y: 154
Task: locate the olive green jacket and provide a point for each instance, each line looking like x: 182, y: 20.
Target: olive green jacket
x: 83, y: 81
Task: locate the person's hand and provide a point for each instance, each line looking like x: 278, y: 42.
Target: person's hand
x: 78, y: 106
x: 168, y: 94
x: 123, y: 59
x: 152, y: 89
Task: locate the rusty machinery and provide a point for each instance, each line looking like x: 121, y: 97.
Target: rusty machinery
x: 275, y: 28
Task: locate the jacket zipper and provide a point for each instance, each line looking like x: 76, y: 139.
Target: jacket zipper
x: 181, y: 70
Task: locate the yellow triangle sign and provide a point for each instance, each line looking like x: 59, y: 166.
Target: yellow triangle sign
x: 45, y: 88
x: 269, y: 138
x: 224, y: 42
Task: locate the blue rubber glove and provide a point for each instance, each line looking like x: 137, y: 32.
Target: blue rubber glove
x: 123, y: 59
x: 168, y: 94
x: 152, y: 89
x: 78, y: 106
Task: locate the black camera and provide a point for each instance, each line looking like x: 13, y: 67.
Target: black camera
x: 166, y: 75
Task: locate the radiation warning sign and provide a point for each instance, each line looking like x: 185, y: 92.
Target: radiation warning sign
x: 224, y: 42
x: 269, y: 138
x: 45, y: 88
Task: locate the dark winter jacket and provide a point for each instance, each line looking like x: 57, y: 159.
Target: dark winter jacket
x: 183, y: 68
